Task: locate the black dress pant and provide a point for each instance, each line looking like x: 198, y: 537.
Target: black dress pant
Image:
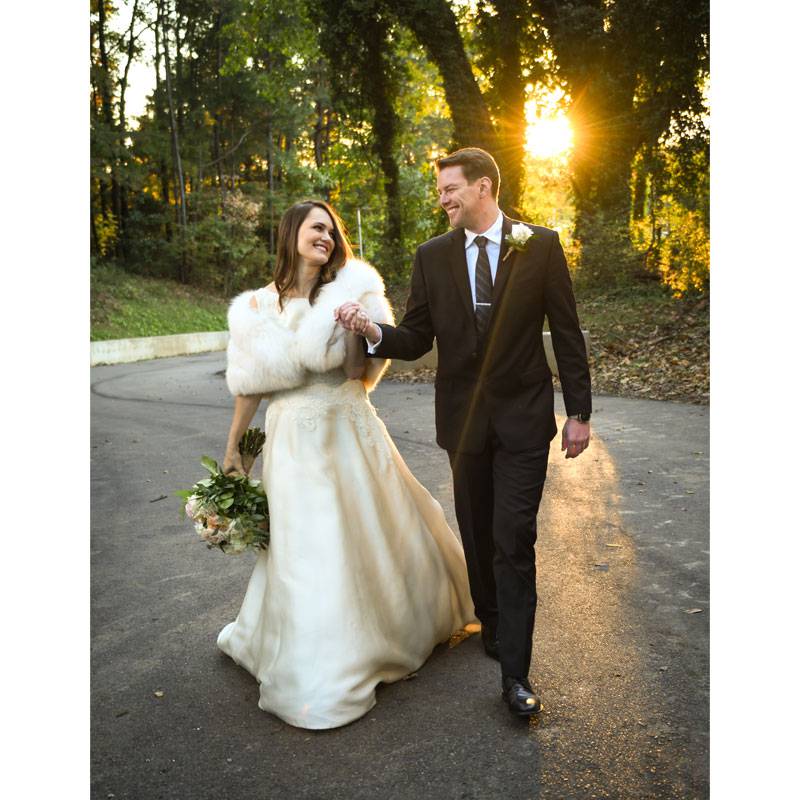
x: 497, y: 494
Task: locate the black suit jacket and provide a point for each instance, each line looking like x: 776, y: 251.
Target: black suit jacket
x: 507, y: 381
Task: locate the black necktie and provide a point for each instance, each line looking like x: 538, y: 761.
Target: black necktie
x: 483, y: 287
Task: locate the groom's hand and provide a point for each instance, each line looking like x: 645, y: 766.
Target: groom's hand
x: 575, y: 437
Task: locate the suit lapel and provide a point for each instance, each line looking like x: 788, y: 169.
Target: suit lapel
x: 503, y: 267
x: 458, y: 266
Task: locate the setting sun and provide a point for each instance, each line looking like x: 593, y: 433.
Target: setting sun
x: 548, y: 137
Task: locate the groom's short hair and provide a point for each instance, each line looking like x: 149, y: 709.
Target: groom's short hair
x: 476, y: 164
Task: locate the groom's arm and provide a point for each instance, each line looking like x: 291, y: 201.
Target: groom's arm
x: 565, y: 331
x: 413, y: 336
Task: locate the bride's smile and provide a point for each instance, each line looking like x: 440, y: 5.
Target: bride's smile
x: 315, y: 240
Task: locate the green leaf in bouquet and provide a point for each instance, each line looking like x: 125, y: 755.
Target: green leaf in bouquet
x: 210, y: 465
x: 237, y: 498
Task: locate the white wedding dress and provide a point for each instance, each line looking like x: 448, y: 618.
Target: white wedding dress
x: 363, y: 577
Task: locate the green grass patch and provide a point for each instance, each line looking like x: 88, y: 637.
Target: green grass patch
x: 125, y: 306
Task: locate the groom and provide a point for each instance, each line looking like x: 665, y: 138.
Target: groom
x: 483, y: 294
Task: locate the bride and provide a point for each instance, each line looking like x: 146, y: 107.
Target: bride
x: 363, y: 577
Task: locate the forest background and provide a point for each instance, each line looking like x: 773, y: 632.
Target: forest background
x: 596, y: 111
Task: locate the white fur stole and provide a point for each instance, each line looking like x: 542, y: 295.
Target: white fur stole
x: 265, y: 355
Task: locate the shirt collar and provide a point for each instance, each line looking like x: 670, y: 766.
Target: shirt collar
x: 494, y: 234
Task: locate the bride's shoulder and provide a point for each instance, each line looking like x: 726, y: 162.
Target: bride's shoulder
x: 251, y: 305
x: 359, y: 276
x: 255, y: 299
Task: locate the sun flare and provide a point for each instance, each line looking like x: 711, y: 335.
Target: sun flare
x: 548, y: 137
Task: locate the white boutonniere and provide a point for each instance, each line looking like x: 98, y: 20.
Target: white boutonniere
x: 518, y: 238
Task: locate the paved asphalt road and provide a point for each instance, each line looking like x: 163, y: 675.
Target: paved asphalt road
x: 620, y: 662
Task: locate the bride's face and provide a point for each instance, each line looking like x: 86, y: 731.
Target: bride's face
x: 315, y: 240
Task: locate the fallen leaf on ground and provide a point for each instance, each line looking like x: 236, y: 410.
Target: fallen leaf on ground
x: 693, y: 610
x: 472, y: 627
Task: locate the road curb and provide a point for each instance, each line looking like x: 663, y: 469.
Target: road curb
x: 125, y: 351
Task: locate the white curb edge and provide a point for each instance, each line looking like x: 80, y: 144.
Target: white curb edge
x: 123, y: 351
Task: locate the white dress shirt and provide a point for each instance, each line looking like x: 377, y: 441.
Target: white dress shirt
x: 495, y: 237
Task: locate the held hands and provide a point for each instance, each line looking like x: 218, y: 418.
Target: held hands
x: 575, y: 437
x: 352, y: 317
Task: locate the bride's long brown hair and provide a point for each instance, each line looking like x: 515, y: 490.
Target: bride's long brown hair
x: 287, y: 259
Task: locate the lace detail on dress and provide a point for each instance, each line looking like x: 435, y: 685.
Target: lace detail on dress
x: 330, y: 393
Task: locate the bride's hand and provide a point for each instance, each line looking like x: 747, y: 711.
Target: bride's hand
x: 353, y: 317
x: 350, y: 316
x: 232, y: 464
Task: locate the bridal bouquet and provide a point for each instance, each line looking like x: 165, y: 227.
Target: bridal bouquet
x: 230, y: 511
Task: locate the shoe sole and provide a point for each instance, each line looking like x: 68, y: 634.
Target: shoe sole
x: 525, y: 714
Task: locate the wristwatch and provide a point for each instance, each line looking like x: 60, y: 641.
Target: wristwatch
x: 581, y: 417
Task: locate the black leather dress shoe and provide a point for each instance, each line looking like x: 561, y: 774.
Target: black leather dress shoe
x: 521, y: 700
x: 489, y: 638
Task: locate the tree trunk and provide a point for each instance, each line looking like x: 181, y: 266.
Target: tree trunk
x: 507, y: 98
x: 163, y: 172
x: 217, y: 121
x: 271, y: 187
x: 101, y: 190
x: 178, y: 64
x: 95, y: 240
x: 123, y: 82
x: 123, y: 133
x: 108, y: 118
x: 639, y: 192
x: 319, y: 127
x: 601, y: 82
x: 176, y: 152
x: 385, y: 127
x: 435, y: 26
x: 601, y: 172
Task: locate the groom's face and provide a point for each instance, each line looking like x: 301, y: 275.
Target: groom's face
x: 459, y: 198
